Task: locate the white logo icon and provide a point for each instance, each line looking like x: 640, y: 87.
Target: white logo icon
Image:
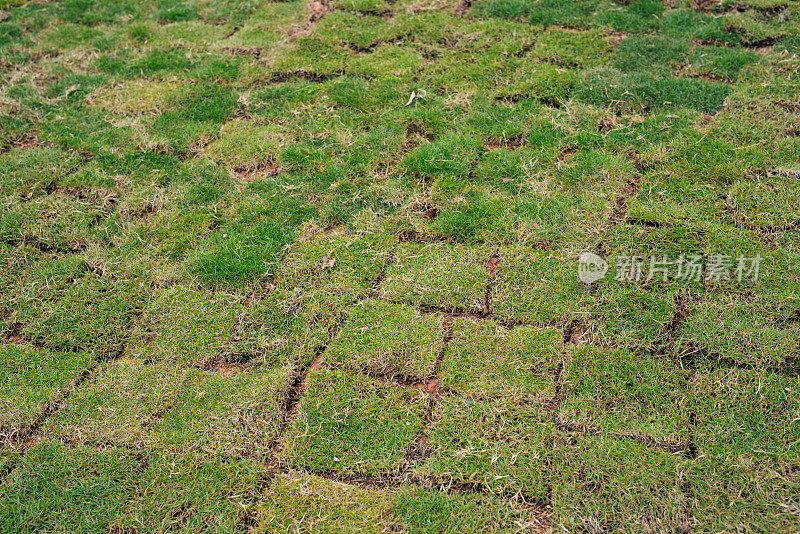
x: 591, y: 267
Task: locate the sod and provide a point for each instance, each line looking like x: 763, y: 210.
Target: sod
x: 138, y: 404
x: 522, y: 362
x: 537, y: 287
x: 55, y: 487
x: 603, y: 483
x: 313, y: 266
x: 389, y: 339
x: 499, y: 444
x: 620, y: 393
x: 327, y: 506
x: 31, y: 377
x: 437, y: 275
x: 349, y: 424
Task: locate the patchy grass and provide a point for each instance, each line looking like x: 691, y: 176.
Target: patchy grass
x: 311, y: 266
x: 55, y: 487
x: 348, y: 424
x: 496, y: 443
x: 31, y: 377
x: 524, y: 360
x: 387, y: 339
x: 139, y: 404
x: 438, y: 275
x: 624, y: 394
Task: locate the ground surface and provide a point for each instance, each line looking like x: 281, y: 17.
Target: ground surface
x: 312, y: 266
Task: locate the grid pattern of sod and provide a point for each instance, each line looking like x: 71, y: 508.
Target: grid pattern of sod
x: 310, y: 266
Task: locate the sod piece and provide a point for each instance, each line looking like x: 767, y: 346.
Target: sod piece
x: 183, y: 492
x: 746, y: 415
x: 620, y: 393
x: 618, y: 485
x: 538, y: 287
x: 347, y: 423
x: 388, y: 339
x: 58, y: 488
x: 438, y: 275
x: 501, y: 444
x: 486, y: 359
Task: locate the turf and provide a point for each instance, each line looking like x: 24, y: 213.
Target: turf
x: 312, y: 266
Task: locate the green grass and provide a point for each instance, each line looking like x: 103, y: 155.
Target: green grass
x: 538, y: 287
x: 57, y: 488
x: 437, y: 275
x: 351, y: 425
x: 524, y: 360
x: 619, y: 486
x: 244, y: 254
x: 622, y: 393
x: 141, y: 404
x: 312, y: 504
x: 307, y: 266
x: 497, y: 443
x: 387, y: 338
x: 30, y: 378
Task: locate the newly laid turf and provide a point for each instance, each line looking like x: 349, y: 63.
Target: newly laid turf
x: 312, y: 266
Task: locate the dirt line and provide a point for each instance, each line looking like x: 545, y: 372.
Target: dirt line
x: 420, y: 446
x: 620, y: 210
x: 691, y: 449
x: 46, y: 247
x: 683, y: 303
x: 580, y: 327
x: 318, y: 8
x: 435, y: 309
x: 24, y: 435
x: 397, y: 479
x: 462, y: 8
x: 375, y: 287
x: 8, y: 467
x: 644, y: 222
x: 21, y: 141
x: 659, y: 442
x: 297, y: 388
x: 412, y: 236
x: 576, y: 332
x: 491, y: 266
x: 427, y: 385
x: 301, y: 74
x: 447, y: 337
x: 558, y: 394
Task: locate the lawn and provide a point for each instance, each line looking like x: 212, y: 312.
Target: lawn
x: 424, y: 266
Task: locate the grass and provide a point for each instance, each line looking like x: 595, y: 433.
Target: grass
x: 55, y: 487
x: 437, y: 275
x: 387, y: 339
x: 312, y: 504
x: 348, y: 425
x: 620, y: 393
x: 495, y: 443
x: 311, y: 266
x: 524, y: 360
